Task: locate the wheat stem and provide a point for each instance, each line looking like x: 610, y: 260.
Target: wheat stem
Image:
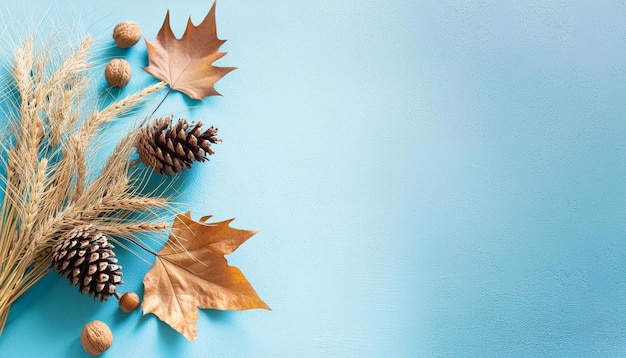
x: 34, y: 201
x: 117, y: 109
x: 48, y: 190
x: 128, y: 230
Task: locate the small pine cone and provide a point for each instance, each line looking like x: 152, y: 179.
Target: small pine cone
x: 169, y: 149
x: 85, y: 257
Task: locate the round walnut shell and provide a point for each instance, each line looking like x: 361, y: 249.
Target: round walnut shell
x: 126, y: 34
x: 117, y: 72
x: 96, y: 337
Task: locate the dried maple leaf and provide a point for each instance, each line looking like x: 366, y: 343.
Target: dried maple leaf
x: 191, y: 272
x: 186, y: 63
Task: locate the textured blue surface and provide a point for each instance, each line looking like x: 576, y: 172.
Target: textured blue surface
x: 429, y: 178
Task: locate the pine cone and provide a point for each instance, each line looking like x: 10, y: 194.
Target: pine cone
x: 86, y: 258
x: 167, y: 148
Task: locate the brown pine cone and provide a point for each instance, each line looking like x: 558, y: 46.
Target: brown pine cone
x: 86, y: 258
x: 169, y: 149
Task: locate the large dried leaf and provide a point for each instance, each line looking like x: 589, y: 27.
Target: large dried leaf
x: 186, y: 63
x: 191, y: 272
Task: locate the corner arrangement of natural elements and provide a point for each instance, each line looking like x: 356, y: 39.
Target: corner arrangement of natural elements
x: 62, y: 213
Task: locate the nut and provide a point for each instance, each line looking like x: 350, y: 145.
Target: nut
x: 129, y: 302
x: 126, y: 34
x: 96, y: 337
x: 117, y: 72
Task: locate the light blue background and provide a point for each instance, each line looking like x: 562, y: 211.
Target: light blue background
x: 429, y: 178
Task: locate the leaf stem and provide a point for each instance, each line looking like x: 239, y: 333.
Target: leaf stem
x: 141, y: 246
x: 157, y: 107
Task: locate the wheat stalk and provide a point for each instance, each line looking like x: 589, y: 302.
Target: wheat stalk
x: 47, y: 190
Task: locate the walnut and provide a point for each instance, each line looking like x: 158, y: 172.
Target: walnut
x: 126, y: 34
x: 117, y: 72
x: 96, y: 337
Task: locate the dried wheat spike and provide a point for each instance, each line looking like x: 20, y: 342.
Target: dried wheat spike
x: 169, y: 149
x: 86, y: 258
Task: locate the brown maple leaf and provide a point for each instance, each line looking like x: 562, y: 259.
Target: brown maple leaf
x: 186, y: 63
x: 191, y: 272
